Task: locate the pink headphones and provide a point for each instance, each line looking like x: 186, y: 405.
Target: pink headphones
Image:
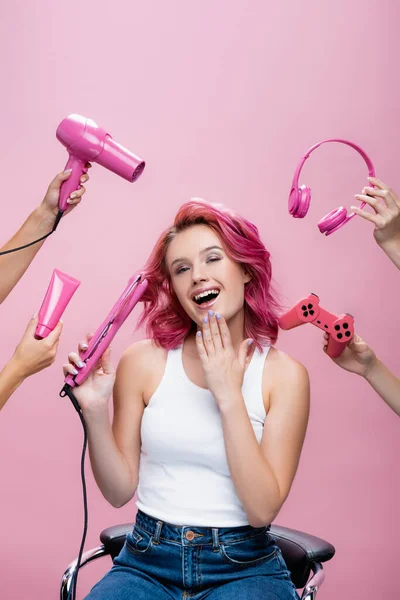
x: 300, y: 196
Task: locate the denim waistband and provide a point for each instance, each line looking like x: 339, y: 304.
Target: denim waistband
x: 192, y: 535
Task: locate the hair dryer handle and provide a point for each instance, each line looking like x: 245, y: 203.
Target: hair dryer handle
x: 71, y: 184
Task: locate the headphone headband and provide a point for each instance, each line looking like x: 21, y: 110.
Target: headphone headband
x: 368, y: 161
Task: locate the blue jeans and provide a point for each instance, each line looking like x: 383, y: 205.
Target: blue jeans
x: 160, y: 561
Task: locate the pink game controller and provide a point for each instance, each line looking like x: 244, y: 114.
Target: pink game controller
x: 308, y: 310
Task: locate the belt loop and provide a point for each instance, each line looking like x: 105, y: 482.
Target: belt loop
x: 157, y: 532
x: 215, y: 539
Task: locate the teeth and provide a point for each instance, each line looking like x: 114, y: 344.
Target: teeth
x: 205, y: 294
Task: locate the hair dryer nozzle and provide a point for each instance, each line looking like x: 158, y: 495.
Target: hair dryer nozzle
x: 119, y: 160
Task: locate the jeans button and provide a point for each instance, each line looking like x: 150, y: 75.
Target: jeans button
x: 189, y: 535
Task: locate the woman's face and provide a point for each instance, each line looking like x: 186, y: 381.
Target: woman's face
x: 198, y: 265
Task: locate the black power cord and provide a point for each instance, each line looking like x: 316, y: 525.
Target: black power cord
x: 67, y: 391
x: 58, y: 219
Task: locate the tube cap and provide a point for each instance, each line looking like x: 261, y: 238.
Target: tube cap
x: 42, y: 331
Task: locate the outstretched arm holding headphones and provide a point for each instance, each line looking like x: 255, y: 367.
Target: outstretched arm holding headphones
x: 30, y: 356
x: 360, y: 359
x: 386, y: 217
x: 39, y: 222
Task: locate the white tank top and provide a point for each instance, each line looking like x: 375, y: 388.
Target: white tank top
x: 184, y: 477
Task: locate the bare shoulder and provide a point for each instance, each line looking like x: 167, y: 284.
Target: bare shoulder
x: 280, y: 363
x: 284, y: 377
x: 145, y: 362
x: 143, y: 352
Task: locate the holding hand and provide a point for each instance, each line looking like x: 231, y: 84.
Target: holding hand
x: 223, y: 368
x: 94, y: 393
x: 386, y: 217
x: 357, y: 357
x: 32, y: 355
x: 50, y: 201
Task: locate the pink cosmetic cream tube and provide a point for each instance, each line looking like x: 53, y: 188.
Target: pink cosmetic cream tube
x: 60, y: 291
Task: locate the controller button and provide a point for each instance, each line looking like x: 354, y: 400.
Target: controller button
x: 311, y: 312
x: 319, y: 322
x: 348, y: 333
x: 337, y: 327
x: 305, y: 314
x: 326, y: 326
x: 345, y: 325
x: 340, y: 335
x: 309, y: 305
x: 304, y: 307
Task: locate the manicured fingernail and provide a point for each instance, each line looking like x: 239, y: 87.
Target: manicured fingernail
x: 250, y: 342
x: 352, y: 207
x: 210, y: 312
x: 73, y: 195
x: 218, y: 315
x: 67, y: 171
x: 80, y: 364
x: 198, y: 334
x: 84, y: 346
x: 75, y: 372
x: 205, y: 319
x: 69, y: 201
x: 34, y: 315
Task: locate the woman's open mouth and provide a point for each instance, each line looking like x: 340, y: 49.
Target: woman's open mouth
x: 206, y: 299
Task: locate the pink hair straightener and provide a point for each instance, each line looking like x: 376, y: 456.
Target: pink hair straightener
x: 105, y: 334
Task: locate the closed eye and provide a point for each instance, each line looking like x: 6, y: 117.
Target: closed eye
x: 210, y: 259
x: 181, y: 270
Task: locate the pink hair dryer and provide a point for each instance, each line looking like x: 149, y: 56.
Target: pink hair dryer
x: 86, y: 141
x: 107, y: 331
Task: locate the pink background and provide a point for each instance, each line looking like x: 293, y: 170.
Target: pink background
x: 221, y: 99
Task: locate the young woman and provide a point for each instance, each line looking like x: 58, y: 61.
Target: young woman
x: 31, y: 355
x: 358, y: 357
x: 209, y: 420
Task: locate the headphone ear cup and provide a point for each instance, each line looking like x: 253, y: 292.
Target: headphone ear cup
x: 305, y: 199
x: 332, y: 220
x: 299, y: 201
x: 293, y: 201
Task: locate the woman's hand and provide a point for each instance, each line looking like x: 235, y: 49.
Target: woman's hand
x: 49, y: 203
x: 94, y: 393
x: 223, y: 368
x: 357, y: 357
x: 32, y: 355
x: 387, y: 212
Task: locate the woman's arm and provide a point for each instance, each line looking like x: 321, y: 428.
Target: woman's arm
x: 386, y: 217
x: 114, y: 450
x: 38, y: 224
x: 386, y: 384
x: 10, y: 379
x: 359, y: 358
x: 30, y: 356
x: 263, y: 473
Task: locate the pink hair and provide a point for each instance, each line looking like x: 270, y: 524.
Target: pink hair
x: 167, y: 322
